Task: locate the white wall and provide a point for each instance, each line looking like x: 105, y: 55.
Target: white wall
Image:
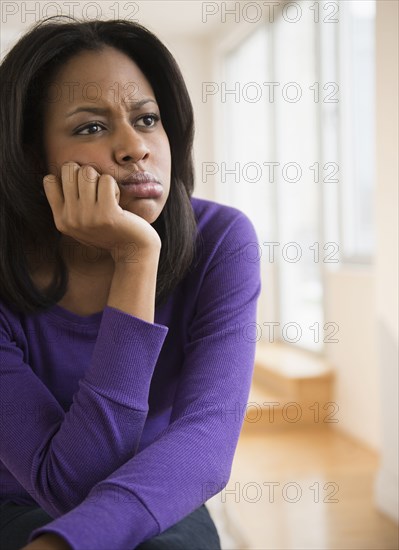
x: 350, y: 302
x: 386, y: 209
x: 194, y: 59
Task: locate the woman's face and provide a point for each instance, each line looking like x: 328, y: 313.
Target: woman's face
x: 102, y: 111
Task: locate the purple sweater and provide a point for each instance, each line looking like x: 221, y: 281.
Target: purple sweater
x: 119, y: 428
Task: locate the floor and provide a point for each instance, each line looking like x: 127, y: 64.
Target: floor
x: 308, y: 488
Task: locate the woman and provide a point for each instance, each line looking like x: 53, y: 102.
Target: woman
x: 125, y: 302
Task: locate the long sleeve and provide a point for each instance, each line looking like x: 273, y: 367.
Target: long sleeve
x: 191, y: 460
x: 59, y: 456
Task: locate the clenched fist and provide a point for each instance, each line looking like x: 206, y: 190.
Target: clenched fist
x: 85, y: 206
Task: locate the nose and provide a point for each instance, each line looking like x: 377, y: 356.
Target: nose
x: 130, y: 146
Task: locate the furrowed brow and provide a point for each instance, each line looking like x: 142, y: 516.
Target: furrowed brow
x: 132, y: 106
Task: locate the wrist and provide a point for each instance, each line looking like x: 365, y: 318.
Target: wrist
x: 131, y: 253
x: 133, y: 285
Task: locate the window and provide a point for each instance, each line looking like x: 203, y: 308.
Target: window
x: 355, y: 38
x: 297, y: 155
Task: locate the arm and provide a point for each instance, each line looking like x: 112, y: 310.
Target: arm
x: 56, y: 456
x: 191, y: 461
x: 133, y: 286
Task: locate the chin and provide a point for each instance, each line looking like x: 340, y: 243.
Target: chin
x: 144, y: 208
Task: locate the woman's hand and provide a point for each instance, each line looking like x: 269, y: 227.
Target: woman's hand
x: 48, y: 541
x: 86, y: 207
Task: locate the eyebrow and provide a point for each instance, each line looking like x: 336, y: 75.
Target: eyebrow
x: 134, y: 106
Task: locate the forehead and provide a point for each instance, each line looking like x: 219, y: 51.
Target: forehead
x: 108, y: 75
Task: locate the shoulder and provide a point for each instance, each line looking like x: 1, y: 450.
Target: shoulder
x: 226, y: 242
x: 219, y: 221
x: 225, y: 282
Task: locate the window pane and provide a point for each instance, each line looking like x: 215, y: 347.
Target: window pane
x: 247, y: 127
x: 297, y: 112
x: 357, y: 124
x: 247, y: 139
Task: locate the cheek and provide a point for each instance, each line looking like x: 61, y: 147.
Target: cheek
x: 57, y: 152
x: 60, y: 153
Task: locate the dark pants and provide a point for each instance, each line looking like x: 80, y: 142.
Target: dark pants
x: 194, y: 532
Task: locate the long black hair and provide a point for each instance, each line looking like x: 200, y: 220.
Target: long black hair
x: 26, y: 219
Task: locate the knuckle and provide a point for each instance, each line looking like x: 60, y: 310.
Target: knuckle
x: 89, y: 172
x: 49, y: 179
x: 106, y: 178
x: 70, y: 164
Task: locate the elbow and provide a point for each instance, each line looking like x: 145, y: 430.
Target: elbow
x: 54, y: 495
x: 216, y: 481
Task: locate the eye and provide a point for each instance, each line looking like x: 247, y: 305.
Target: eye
x: 149, y: 120
x: 82, y: 131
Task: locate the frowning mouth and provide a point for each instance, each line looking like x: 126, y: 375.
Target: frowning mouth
x: 141, y: 185
x: 139, y: 178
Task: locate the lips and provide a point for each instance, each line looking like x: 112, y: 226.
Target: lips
x: 141, y: 185
x: 138, y: 178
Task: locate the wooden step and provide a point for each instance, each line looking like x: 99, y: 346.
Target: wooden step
x: 264, y: 409
x: 268, y: 411
x: 292, y: 372
x: 290, y: 388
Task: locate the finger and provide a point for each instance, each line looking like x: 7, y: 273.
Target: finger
x: 53, y: 189
x: 87, y: 184
x: 69, y: 171
x: 108, y: 192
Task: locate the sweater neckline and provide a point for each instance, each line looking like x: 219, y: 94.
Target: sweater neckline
x: 67, y: 315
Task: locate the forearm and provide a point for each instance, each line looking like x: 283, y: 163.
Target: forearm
x: 133, y: 285
x: 107, y: 415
